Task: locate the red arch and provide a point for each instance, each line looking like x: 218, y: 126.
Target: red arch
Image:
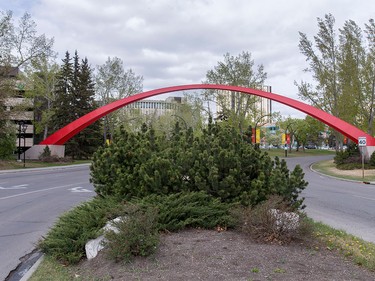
x: 70, y: 130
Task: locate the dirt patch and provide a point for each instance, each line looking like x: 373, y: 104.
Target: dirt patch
x: 211, y: 255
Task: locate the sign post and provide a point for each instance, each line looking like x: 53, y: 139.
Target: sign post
x: 362, y: 142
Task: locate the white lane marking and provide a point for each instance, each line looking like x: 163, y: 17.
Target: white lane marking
x: 40, y: 190
x: 372, y: 199
x: 79, y: 189
x: 21, y: 186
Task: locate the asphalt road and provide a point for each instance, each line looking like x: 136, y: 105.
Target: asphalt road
x: 30, y: 202
x: 341, y: 204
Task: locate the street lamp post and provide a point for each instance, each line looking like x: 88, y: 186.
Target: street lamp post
x: 22, y: 127
x: 20, y: 123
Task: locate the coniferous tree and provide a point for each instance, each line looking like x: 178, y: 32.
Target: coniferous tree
x: 75, y: 98
x: 64, y: 94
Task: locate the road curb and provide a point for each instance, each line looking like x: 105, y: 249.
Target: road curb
x: 32, y: 269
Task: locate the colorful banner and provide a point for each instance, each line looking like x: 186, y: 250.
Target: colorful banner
x: 255, y: 137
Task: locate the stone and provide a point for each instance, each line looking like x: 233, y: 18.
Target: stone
x: 94, y: 246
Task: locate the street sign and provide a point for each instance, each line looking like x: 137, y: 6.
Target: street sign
x: 362, y: 141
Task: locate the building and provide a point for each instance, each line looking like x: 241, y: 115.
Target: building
x: 155, y: 108
x: 17, y: 108
x: 238, y: 102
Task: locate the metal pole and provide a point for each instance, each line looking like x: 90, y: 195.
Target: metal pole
x: 24, y: 150
x: 363, y: 162
x: 19, y: 141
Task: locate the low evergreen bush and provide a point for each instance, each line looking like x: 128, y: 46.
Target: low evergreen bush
x: 350, y: 155
x: 188, y: 209
x: 372, y: 160
x: 66, y: 240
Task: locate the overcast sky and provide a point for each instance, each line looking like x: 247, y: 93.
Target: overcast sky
x: 175, y: 42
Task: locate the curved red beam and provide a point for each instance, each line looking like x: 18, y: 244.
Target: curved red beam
x: 63, y: 135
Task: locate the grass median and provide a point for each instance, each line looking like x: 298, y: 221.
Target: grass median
x: 329, y: 168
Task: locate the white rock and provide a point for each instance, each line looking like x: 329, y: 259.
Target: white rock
x: 94, y: 246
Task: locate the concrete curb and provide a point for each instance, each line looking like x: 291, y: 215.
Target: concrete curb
x: 43, y: 169
x: 32, y: 269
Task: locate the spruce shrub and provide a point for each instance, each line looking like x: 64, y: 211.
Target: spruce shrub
x: 372, y: 160
x: 219, y: 161
x: 350, y: 155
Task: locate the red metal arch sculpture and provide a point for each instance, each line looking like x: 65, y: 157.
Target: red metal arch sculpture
x: 70, y: 130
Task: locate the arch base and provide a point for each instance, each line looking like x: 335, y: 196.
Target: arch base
x: 35, y: 151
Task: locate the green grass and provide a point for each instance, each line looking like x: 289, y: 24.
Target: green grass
x: 352, y: 247
x: 13, y: 164
x: 325, y: 167
x: 51, y: 270
x: 300, y: 153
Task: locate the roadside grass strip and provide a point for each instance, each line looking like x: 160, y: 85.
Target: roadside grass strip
x: 359, y: 251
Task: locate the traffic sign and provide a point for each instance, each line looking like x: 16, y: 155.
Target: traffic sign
x: 362, y: 141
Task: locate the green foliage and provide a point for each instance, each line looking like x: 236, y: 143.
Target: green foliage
x: 342, y: 66
x: 350, y: 155
x: 372, y: 159
x: 75, y: 98
x: 46, y: 152
x: 220, y: 162
x: 188, y: 209
x: 67, y: 238
x: 7, y: 145
x: 137, y: 234
x: 237, y: 70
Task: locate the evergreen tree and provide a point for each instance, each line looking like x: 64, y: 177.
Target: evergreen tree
x: 87, y: 141
x: 75, y: 98
x: 64, y: 113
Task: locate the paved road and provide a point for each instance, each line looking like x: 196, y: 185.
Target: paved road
x: 30, y: 202
x: 341, y: 204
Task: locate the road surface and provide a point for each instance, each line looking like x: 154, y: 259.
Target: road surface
x: 30, y: 202
x: 341, y: 204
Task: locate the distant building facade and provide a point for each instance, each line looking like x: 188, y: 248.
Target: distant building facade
x: 262, y: 106
x: 154, y: 108
x: 18, y: 109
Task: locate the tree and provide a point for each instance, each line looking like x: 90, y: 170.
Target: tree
x: 75, y: 98
x: 367, y: 101
x: 88, y: 140
x: 64, y: 111
x: 237, y: 71
x: 112, y: 83
x: 20, y: 46
x: 303, y: 131
x: 41, y: 82
x: 343, y: 69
